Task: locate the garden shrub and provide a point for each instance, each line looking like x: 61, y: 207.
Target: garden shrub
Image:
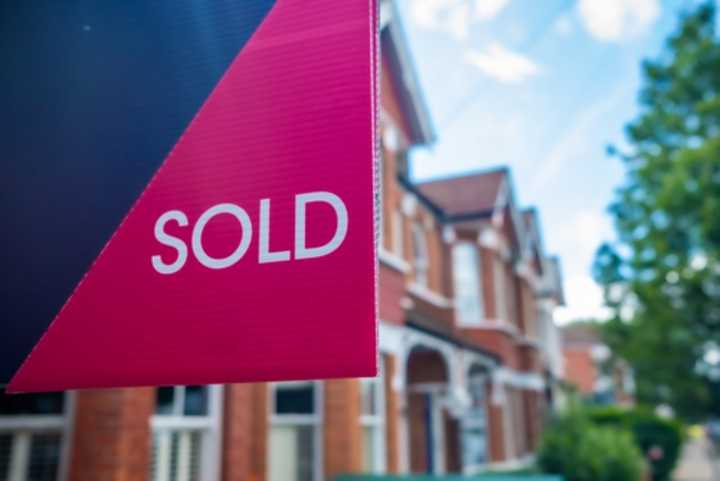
x: 659, y: 439
x: 579, y: 450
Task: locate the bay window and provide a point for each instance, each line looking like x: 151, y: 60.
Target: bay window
x: 372, y: 403
x: 186, y: 433
x: 475, y: 436
x: 467, y: 284
x: 501, y: 296
x: 420, y: 249
x: 32, y: 431
x: 295, y: 432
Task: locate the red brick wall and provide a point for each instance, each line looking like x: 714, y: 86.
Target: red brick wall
x: 529, y: 309
x: 342, y: 430
x: 580, y: 368
x: 536, y: 410
x: 259, y: 426
x: 392, y: 290
x: 487, y: 257
x: 498, y: 342
x: 443, y: 317
x: 530, y: 358
x: 112, y: 436
x: 389, y: 98
x: 495, y: 428
x: 392, y: 416
x: 245, y: 427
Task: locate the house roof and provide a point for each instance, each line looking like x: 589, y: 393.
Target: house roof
x: 580, y: 333
x: 467, y: 194
x: 394, y: 44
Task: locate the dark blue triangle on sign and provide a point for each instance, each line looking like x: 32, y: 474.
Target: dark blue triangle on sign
x: 94, y: 95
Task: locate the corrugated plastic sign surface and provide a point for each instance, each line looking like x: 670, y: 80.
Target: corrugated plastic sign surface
x: 187, y: 192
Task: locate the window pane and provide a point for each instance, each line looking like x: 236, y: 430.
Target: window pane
x: 466, y: 278
x: 474, y: 446
x: 290, y: 399
x: 21, y: 404
x: 44, y: 457
x: 501, y: 302
x: 368, y: 399
x: 155, y: 458
x: 5, y: 449
x: 292, y: 453
x: 196, y: 441
x: 185, y: 456
x: 175, y: 441
x: 369, y: 462
x: 164, y: 400
x: 306, y: 464
x: 196, y: 401
x: 421, y: 255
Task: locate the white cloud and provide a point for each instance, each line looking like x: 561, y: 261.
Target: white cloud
x: 577, y: 240
x: 502, y: 64
x: 454, y: 16
x: 614, y: 20
x: 488, y: 9
x: 584, y: 301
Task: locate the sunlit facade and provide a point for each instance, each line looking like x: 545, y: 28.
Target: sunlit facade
x: 469, y: 354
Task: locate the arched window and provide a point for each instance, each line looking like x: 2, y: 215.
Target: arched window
x: 420, y: 250
x: 466, y: 276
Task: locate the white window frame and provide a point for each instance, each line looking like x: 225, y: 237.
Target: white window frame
x: 461, y: 317
x: 421, y: 260
x: 23, y: 427
x: 376, y: 421
x: 209, y: 426
x: 314, y: 420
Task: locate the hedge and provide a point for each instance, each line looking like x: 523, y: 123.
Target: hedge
x: 659, y: 439
x: 579, y: 450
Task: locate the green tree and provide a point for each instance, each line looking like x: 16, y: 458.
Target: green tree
x: 662, y: 275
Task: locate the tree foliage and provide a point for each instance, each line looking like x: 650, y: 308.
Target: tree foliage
x: 662, y: 275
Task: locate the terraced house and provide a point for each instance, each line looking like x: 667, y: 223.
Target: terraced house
x: 469, y: 361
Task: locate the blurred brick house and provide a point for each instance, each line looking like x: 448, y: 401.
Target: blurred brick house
x: 470, y: 354
x: 591, y: 368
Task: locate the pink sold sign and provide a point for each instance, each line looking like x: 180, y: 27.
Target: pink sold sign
x: 249, y: 255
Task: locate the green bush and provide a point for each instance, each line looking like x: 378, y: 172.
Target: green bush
x: 579, y: 450
x: 659, y: 439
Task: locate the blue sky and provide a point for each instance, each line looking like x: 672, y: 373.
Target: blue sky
x: 542, y: 86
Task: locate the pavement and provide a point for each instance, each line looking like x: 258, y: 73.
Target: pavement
x: 698, y: 463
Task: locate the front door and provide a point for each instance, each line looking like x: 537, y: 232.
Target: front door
x: 427, y: 432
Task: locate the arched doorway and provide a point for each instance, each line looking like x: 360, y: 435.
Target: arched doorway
x: 427, y: 382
